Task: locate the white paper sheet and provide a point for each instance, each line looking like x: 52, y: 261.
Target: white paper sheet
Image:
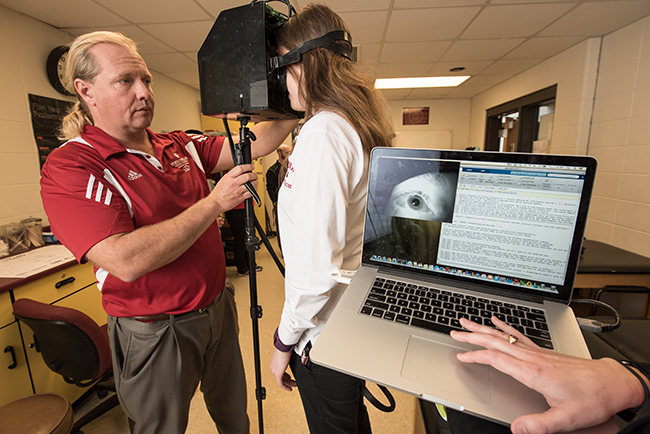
x: 34, y: 261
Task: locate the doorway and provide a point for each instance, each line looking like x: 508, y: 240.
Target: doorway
x: 522, y: 125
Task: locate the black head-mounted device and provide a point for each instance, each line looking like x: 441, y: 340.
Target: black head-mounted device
x: 240, y: 70
x: 327, y: 41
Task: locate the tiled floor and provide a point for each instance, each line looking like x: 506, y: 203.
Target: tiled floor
x: 282, y: 411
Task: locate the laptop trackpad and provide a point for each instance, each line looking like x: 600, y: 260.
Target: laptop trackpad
x: 435, y: 364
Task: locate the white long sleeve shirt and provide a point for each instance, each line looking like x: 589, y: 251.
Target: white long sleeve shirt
x: 321, y: 208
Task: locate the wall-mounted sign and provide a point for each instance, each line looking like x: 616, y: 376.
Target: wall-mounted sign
x: 415, y: 116
x: 47, y: 115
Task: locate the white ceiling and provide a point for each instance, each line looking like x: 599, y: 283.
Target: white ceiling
x: 492, y: 39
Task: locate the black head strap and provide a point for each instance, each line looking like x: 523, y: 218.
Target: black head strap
x: 326, y: 41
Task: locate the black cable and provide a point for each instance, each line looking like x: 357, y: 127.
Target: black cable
x: 375, y: 402
x: 266, y: 242
x: 594, y: 325
x: 292, y: 10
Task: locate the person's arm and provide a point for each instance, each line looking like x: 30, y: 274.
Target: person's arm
x: 269, y: 135
x: 279, y: 362
x: 130, y: 255
x: 581, y: 392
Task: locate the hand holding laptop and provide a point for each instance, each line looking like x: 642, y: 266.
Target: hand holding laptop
x: 581, y: 392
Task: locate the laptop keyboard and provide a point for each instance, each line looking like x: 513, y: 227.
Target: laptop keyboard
x: 441, y: 311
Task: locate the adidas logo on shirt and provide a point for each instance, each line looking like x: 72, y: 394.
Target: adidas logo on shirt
x: 134, y: 175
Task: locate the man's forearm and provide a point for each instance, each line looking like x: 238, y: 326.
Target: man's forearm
x: 130, y: 255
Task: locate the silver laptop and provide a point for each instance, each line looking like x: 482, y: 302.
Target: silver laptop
x: 452, y: 234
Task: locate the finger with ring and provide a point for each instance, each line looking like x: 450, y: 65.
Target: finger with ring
x: 513, y: 339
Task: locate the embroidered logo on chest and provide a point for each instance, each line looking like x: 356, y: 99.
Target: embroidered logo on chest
x: 133, y: 175
x: 181, y: 163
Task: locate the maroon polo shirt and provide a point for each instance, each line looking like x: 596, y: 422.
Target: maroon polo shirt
x: 92, y: 187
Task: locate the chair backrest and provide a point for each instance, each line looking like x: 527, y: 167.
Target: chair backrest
x: 72, y: 344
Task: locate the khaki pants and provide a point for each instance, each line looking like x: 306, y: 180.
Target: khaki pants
x: 158, y: 366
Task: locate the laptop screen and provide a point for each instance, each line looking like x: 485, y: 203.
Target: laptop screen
x: 509, y: 221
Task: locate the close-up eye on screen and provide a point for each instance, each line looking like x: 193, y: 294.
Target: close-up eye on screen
x: 428, y: 196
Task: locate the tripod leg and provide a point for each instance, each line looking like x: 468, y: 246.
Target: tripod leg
x: 252, y: 244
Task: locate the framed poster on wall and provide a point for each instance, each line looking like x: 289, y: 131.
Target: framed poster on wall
x: 415, y: 116
x: 47, y: 115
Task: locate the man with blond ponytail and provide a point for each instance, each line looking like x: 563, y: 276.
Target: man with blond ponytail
x: 137, y: 205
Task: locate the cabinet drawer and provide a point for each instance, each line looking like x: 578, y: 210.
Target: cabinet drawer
x: 68, y: 281
x: 14, y: 375
x: 88, y: 301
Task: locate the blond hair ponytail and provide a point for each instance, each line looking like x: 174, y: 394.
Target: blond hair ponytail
x: 74, y: 122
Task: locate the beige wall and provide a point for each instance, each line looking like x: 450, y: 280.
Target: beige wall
x: 447, y: 117
x: 620, y: 140
x: 24, y: 46
x: 603, y: 110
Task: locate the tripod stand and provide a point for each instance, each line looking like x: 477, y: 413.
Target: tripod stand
x: 241, y: 154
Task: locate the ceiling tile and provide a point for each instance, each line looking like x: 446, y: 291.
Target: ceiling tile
x: 349, y: 5
x: 543, y: 48
x: 366, y: 27
x: 395, y: 93
x: 512, y: 67
x: 471, y: 68
x: 403, y: 70
x: 429, y: 93
x: 188, y: 78
x: 467, y: 91
x: 215, y: 7
x: 369, y: 53
x: 598, y: 18
x: 486, y: 80
x: 574, y: 2
x: 428, y: 3
x: 181, y: 36
x: 147, y: 44
x: 166, y: 63
x: 430, y: 24
x: 409, y: 52
x: 151, y: 11
x: 67, y: 13
x: 513, y: 21
x: 489, y: 49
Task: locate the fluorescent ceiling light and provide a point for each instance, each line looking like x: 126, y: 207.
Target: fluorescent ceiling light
x: 414, y: 82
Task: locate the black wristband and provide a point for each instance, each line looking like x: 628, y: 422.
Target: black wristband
x: 629, y: 365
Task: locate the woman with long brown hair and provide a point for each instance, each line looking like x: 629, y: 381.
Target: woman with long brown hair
x: 321, y: 206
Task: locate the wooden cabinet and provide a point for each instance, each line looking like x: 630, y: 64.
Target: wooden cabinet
x: 73, y: 287
x: 58, y: 285
x: 14, y: 375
